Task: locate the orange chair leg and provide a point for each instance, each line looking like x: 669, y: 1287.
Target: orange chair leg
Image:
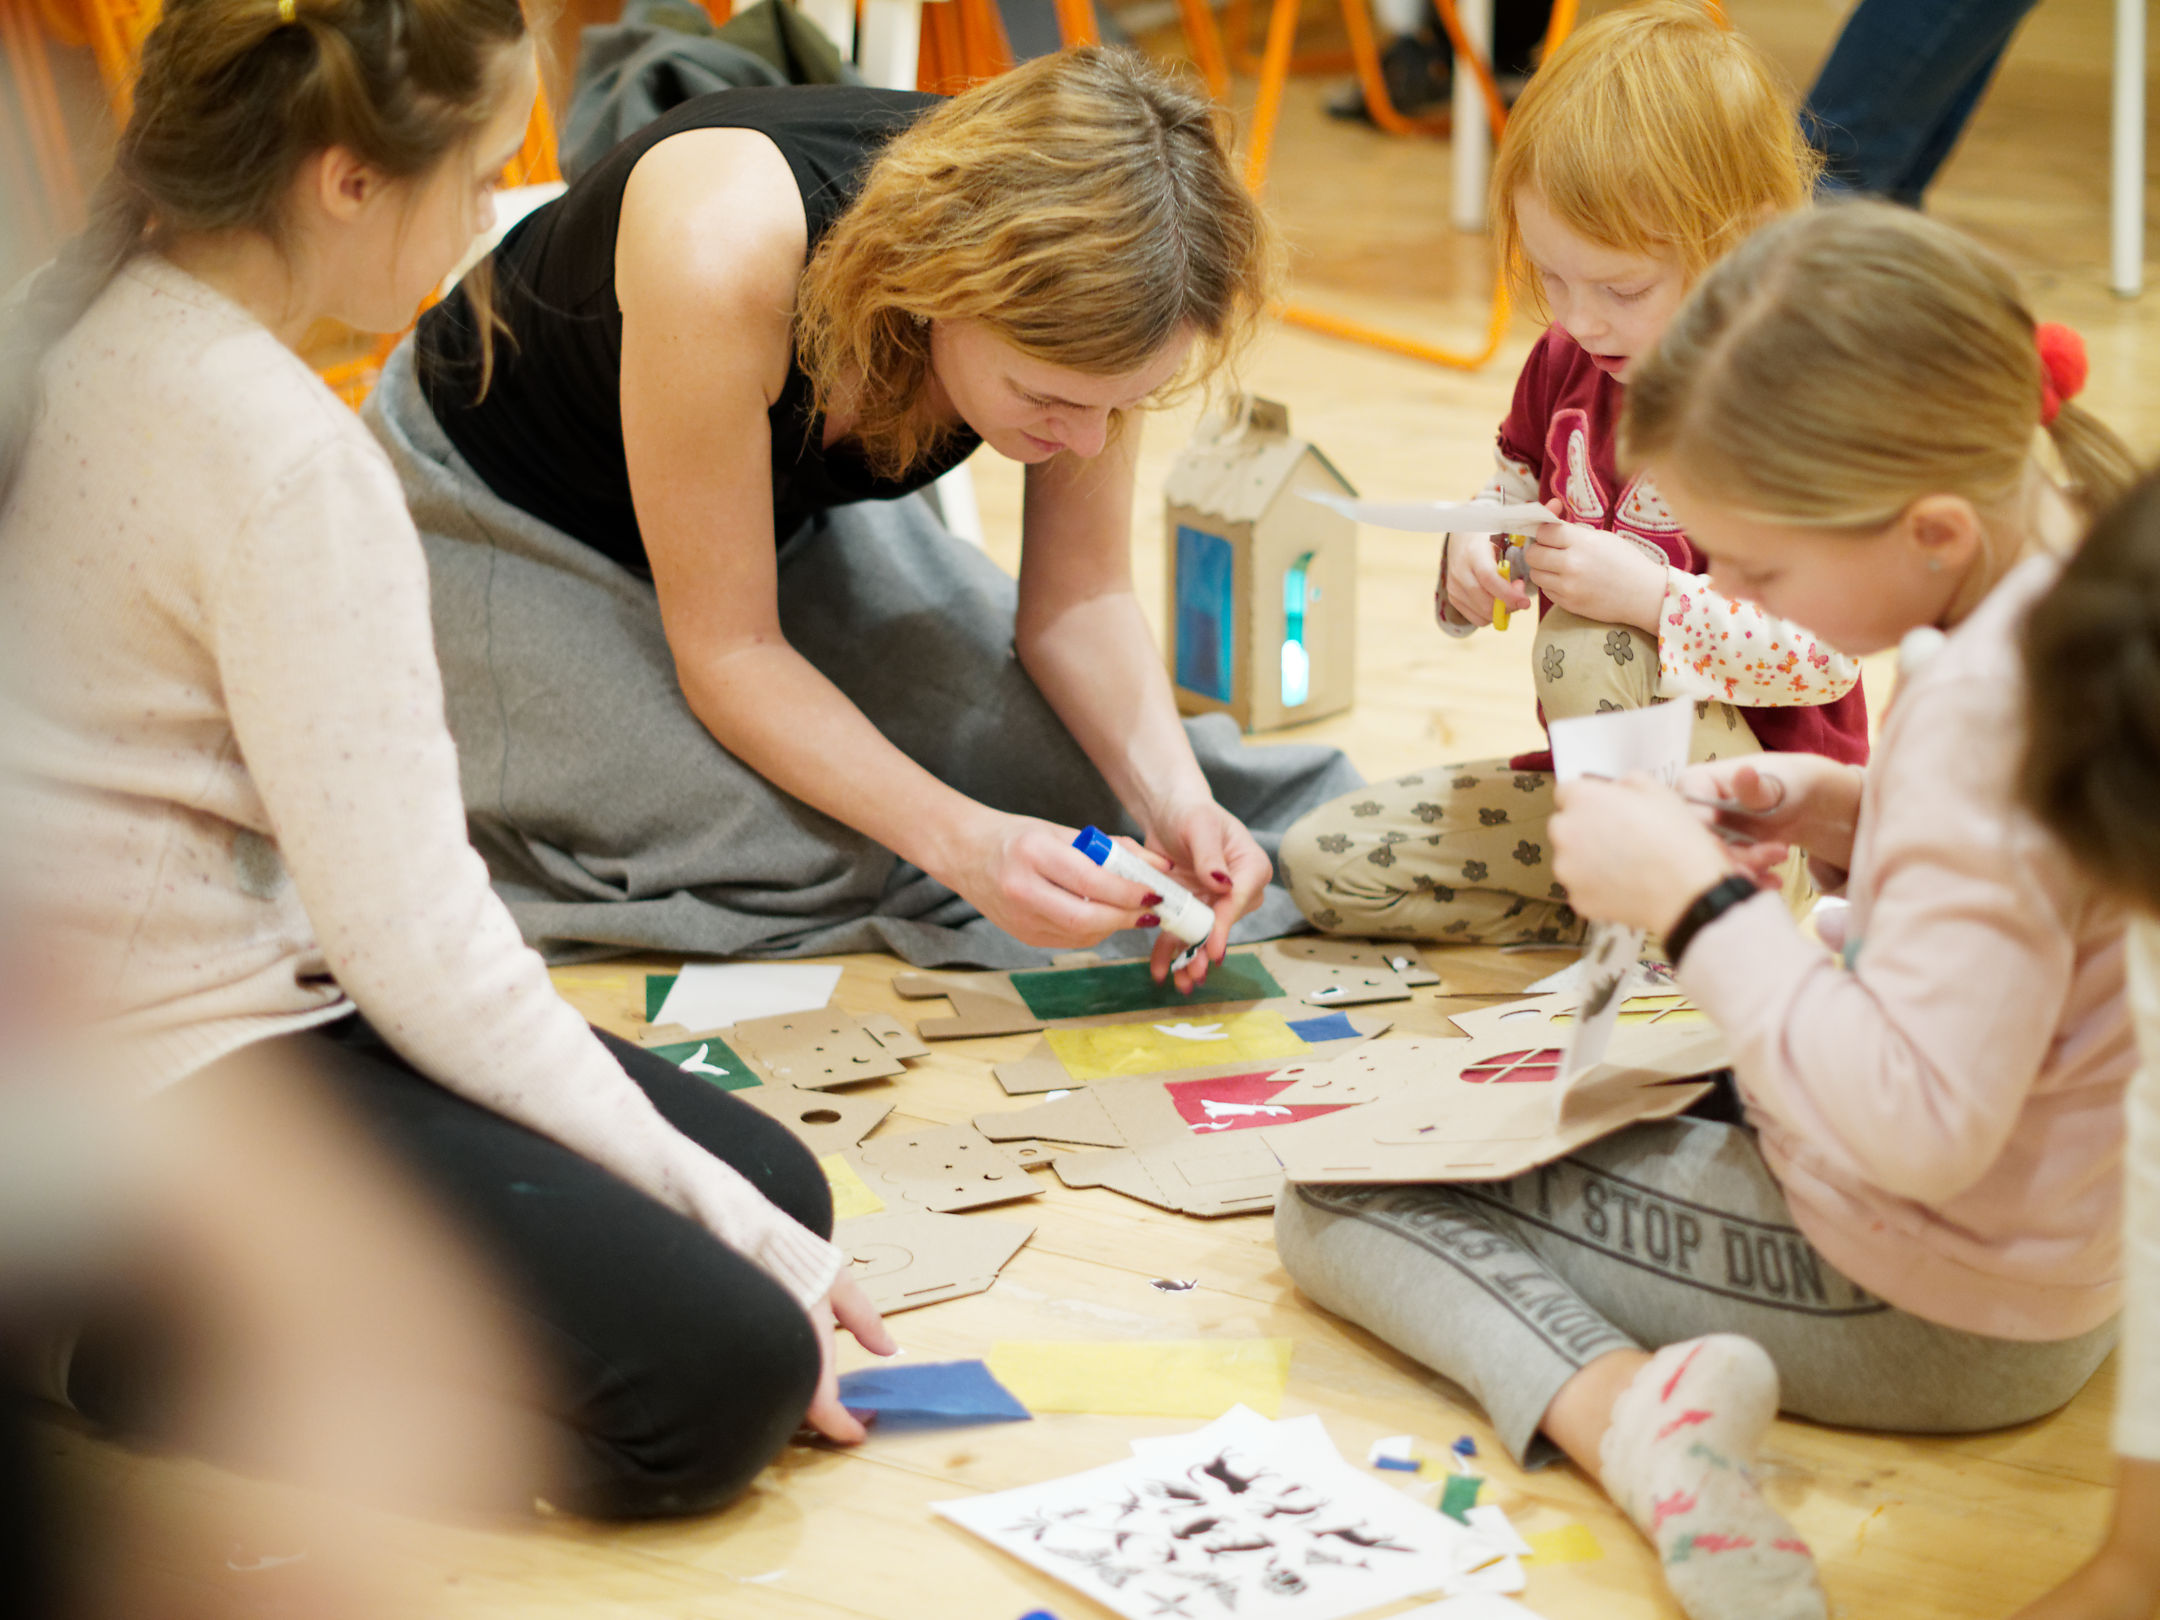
x: 1076, y: 22
x: 1372, y: 82
x: 1205, y: 43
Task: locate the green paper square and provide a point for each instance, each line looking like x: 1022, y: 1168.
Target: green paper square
x: 1124, y: 987
x: 657, y: 985
x: 1459, y: 1495
x: 716, y: 1054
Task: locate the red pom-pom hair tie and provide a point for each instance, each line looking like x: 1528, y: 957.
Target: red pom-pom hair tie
x: 2063, y: 366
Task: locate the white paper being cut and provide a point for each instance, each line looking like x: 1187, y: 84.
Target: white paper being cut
x: 1619, y: 742
x: 712, y: 995
x: 1243, y: 1520
x: 1440, y: 517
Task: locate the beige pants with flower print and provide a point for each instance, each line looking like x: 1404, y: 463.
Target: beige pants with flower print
x: 1459, y: 852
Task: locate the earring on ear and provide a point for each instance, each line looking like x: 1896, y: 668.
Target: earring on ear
x: 919, y: 318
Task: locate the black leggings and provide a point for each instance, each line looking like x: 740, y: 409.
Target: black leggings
x: 680, y: 1367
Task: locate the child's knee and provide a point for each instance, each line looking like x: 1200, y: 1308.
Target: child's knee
x: 1583, y: 667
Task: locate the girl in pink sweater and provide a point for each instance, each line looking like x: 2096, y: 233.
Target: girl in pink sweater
x: 245, y: 830
x: 1914, y: 1224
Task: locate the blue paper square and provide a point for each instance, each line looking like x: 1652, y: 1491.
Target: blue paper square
x: 1334, y: 1027
x: 938, y: 1394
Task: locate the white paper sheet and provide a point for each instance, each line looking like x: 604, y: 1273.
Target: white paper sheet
x: 712, y: 995
x: 1440, y: 517
x: 1619, y: 742
x: 1244, y: 1518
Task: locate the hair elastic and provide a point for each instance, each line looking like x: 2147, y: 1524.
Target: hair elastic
x: 286, y: 10
x: 2063, y: 366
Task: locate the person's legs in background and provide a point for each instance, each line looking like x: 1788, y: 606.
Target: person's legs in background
x: 1898, y: 87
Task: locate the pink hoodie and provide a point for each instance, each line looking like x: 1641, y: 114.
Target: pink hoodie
x: 1946, y: 1115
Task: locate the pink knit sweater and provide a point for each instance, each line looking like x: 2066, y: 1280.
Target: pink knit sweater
x: 1946, y: 1115
x: 242, y: 800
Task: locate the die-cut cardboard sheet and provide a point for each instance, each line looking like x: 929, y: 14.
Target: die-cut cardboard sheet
x: 1479, y: 1108
x: 909, y: 1258
x: 1313, y: 971
x: 808, y: 1050
x: 1495, y: 1104
x: 941, y: 1168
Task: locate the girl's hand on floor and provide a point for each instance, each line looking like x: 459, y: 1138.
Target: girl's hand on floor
x: 1597, y: 575
x: 1212, y: 854
x: 1470, y: 579
x: 1632, y: 852
x: 1801, y: 799
x: 848, y: 1307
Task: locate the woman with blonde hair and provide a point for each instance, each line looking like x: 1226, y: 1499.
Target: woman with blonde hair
x: 1917, y: 1226
x: 712, y: 693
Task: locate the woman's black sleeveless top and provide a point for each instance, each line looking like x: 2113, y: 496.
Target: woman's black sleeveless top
x: 548, y: 435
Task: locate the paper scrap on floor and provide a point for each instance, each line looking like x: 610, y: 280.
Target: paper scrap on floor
x: 1150, y: 1378
x: 851, y: 1195
x: 1439, y: 517
x: 712, y: 995
x: 1246, y: 1517
x: 930, y: 1394
x: 1570, y: 1544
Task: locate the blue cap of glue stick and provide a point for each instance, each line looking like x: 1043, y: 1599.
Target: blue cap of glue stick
x: 1095, y: 844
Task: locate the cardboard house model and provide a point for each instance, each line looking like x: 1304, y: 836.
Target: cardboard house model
x: 1262, y: 601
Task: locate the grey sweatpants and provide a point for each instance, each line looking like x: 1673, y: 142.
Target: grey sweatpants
x: 1659, y: 1233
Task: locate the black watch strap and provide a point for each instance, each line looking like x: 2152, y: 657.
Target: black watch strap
x: 1710, y: 905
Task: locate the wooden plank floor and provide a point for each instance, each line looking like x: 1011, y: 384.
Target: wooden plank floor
x: 1925, y: 1529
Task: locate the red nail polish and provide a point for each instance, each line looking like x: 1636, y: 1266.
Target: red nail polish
x: 1149, y: 921
x: 1153, y: 900
x: 1220, y: 877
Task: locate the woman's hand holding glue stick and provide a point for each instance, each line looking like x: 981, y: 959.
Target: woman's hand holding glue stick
x: 1184, y: 915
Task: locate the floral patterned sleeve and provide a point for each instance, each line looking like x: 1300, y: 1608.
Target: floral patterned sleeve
x: 1716, y: 646
x: 1512, y: 481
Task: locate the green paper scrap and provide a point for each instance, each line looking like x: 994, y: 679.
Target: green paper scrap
x: 657, y: 985
x: 710, y: 1059
x: 1459, y: 1495
x: 1123, y: 987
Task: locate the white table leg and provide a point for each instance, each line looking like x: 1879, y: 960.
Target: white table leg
x: 891, y: 42
x: 1472, y: 139
x: 2127, y: 176
x: 836, y: 18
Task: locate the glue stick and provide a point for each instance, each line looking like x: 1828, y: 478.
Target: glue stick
x: 1183, y: 916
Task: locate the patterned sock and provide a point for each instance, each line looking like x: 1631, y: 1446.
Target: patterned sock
x: 1676, y: 1458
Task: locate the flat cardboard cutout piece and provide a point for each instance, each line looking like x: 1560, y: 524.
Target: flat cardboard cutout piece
x: 943, y: 1168
x: 908, y: 1258
x: 817, y: 1049
x: 1496, y: 1105
x: 983, y: 1004
x: 825, y: 1123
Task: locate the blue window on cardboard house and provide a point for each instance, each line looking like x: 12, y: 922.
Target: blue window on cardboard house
x: 1206, y: 630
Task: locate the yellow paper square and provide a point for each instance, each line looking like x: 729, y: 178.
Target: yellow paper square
x: 850, y: 1196
x: 1174, y: 1043
x: 1195, y: 1378
x: 1570, y: 1544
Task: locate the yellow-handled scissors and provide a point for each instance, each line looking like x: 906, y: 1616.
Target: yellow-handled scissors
x: 1508, y: 553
